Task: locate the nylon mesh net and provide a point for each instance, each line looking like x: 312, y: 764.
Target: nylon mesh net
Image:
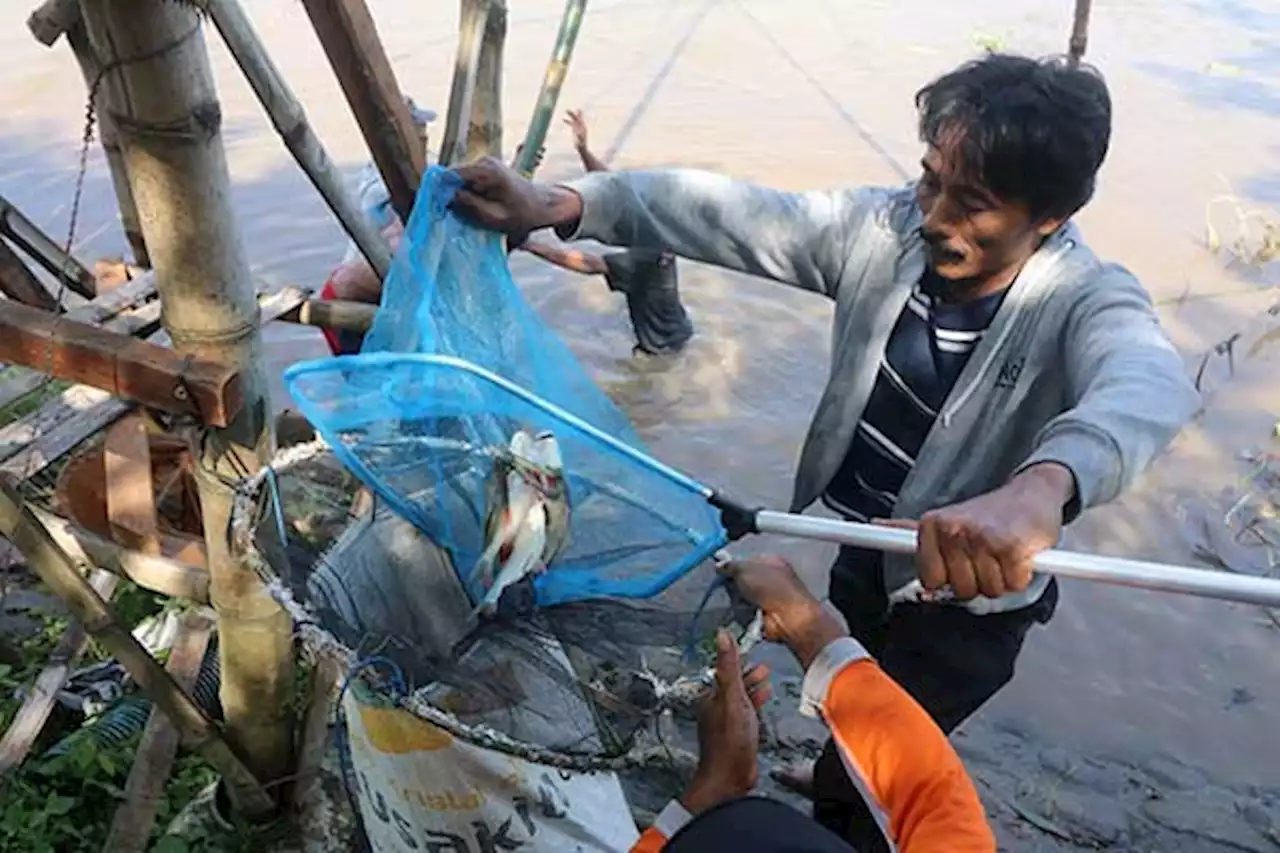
x: 525, y: 570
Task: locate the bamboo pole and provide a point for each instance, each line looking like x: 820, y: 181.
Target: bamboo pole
x: 350, y: 41
x: 484, y: 136
x: 1079, y: 32
x: 103, y: 108
x: 65, y: 579
x: 334, y: 314
x: 557, y: 70
x: 55, y: 18
x: 169, y: 126
x: 472, y: 22
x: 290, y: 121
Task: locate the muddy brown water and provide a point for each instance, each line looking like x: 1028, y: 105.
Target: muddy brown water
x: 814, y: 93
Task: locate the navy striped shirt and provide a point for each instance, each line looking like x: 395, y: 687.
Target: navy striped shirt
x: 929, y: 346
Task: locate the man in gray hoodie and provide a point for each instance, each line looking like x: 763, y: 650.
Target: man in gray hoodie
x: 990, y: 376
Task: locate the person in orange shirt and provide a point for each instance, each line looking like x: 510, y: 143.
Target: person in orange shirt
x: 900, y: 761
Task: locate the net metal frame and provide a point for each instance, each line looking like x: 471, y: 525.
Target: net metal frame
x: 258, y: 502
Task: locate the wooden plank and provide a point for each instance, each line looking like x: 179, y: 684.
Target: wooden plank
x: 313, y: 740
x: 130, y: 494
x: 20, y: 284
x: 36, y: 708
x: 163, y: 573
x: 109, y: 304
x: 17, y: 435
x: 150, y: 375
x: 54, y: 444
x: 16, y: 382
x: 24, y: 234
x: 131, y: 827
x: 350, y: 41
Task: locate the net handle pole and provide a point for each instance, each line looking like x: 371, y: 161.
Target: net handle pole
x: 1110, y: 570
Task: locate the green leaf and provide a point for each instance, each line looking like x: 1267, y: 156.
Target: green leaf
x: 60, y: 805
x: 171, y: 844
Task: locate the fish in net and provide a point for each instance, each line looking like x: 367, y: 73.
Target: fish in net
x: 524, y: 573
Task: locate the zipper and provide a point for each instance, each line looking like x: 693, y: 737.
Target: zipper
x: 972, y: 388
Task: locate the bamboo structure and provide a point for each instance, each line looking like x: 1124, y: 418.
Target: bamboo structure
x: 1079, y: 32
x: 57, y: 18
x: 552, y: 82
x: 484, y: 136
x: 103, y: 107
x: 60, y: 573
x: 350, y: 41
x: 23, y: 233
x: 20, y: 284
x: 289, y: 120
x: 472, y: 23
x: 170, y: 136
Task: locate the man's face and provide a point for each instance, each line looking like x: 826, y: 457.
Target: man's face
x: 972, y: 235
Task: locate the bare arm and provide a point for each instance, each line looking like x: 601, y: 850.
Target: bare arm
x: 590, y: 161
x: 578, y: 125
x: 570, y: 259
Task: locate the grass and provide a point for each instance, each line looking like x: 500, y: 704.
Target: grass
x: 31, y: 401
x: 65, y: 804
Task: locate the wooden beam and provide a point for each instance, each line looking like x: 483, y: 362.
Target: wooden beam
x: 36, y: 708
x: 160, y: 572
x: 130, y: 492
x: 20, y: 284
x: 131, y: 827
x: 63, y: 577
x: 350, y: 41
x: 153, y: 376
x: 24, y: 234
x: 17, y: 382
x: 45, y: 448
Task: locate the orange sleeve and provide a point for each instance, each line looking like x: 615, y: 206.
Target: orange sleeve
x: 652, y: 841
x: 666, y: 824
x: 898, y: 758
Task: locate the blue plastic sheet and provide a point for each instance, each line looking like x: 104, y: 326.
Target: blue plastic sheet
x: 421, y: 432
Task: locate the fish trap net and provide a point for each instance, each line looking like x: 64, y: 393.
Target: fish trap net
x: 587, y: 683
x: 478, y: 531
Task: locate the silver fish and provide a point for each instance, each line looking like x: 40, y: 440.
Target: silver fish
x: 527, y: 519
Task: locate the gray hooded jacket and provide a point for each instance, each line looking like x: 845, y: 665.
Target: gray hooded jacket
x: 1074, y: 368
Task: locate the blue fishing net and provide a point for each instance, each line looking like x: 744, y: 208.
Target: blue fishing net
x: 456, y: 363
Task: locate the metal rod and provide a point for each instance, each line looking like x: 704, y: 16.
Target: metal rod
x: 1111, y: 570
x: 557, y: 70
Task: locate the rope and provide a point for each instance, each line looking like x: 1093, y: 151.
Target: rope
x: 316, y: 644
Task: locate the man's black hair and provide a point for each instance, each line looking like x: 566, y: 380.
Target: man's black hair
x: 1029, y: 131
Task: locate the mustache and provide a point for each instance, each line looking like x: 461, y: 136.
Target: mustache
x: 938, y: 242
